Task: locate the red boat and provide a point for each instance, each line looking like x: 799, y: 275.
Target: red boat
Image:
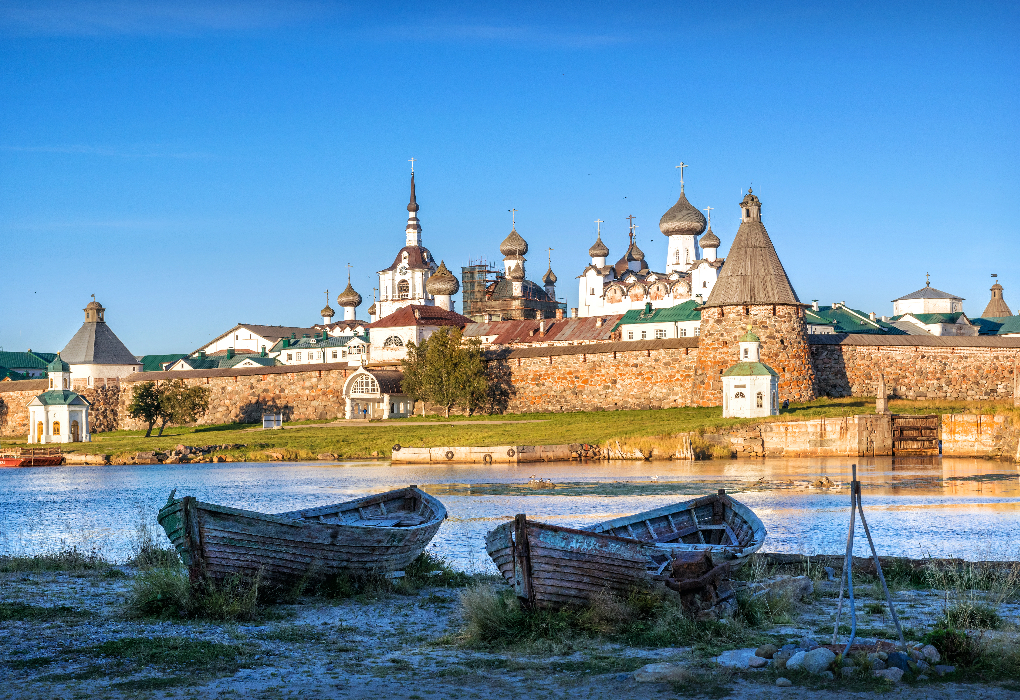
x: 38, y: 457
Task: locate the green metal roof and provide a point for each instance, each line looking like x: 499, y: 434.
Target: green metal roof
x: 846, y: 320
x: 749, y: 369
x: 12, y: 375
x: 687, y: 311
x: 154, y: 363
x: 1000, y: 325
x: 224, y: 362
x: 934, y: 318
x: 331, y: 342
x: 58, y: 365
x: 60, y: 397
x: 749, y: 337
x: 26, y: 360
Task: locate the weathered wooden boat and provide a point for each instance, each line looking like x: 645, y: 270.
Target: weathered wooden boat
x: 717, y: 523
x: 552, y: 566
x: 381, y: 533
x: 29, y: 457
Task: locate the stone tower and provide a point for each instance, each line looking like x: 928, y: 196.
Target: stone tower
x: 753, y: 288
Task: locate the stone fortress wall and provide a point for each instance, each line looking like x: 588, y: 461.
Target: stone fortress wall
x: 603, y: 376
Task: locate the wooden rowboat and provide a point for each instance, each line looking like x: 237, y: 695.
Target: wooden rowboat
x: 29, y: 457
x: 552, y: 566
x: 381, y: 533
x: 718, y: 524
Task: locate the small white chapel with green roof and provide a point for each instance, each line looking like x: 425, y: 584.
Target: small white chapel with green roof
x: 59, y: 414
x: 750, y: 387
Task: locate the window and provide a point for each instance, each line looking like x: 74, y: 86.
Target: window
x: 393, y: 341
x: 630, y: 335
x: 365, y: 384
x: 299, y: 356
x: 745, y: 352
x: 704, y: 285
x: 697, y: 331
x: 592, y: 290
x: 644, y: 334
x: 290, y: 356
x: 739, y: 395
x: 683, y: 332
x: 334, y: 354
x: 403, y: 289
x: 760, y: 399
x: 660, y: 333
x: 56, y: 427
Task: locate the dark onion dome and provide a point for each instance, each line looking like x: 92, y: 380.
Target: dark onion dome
x: 349, y: 297
x: 549, y: 277
x: 683, y: 219
x: 516, y: 273
x: 513, y: 245
x: 634, y: 253
x: 412, y: 206
x: 599, y: 249
x: 709, y: 240
x: 327, y: 312
x: 371, y: 310
x: 442, y: 282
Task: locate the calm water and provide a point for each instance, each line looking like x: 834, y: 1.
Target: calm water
x: 948, y: 507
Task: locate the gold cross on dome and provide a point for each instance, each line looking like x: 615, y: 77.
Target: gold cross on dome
x: 681, y: 167
x: 411, y: 160
x: 550, y: 258
x: 349, y: 266
x: 631, y: 219
x: 327, y: 297
x: 513, y: 216
x: 709, y: 210
x: 598, y: 223
x: 927, y: 279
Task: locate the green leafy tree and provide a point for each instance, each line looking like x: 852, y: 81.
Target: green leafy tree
x: 145, y: 404
x: 180, y: 404
x: 446, y: 370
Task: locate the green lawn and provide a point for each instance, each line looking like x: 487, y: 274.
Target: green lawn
x: 597, y: 427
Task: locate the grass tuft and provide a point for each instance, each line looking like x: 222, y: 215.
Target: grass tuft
x: 166, y: 592
x: 69, y: 559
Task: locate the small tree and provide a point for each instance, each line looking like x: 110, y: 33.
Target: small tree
x: 180, y: 404
x: 145, y: 404
x: 445, y: 370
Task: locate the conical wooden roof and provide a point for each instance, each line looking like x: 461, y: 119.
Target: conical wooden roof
x: 752, y: 273
x: 997, y: 307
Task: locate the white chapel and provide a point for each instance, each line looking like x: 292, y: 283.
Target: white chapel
x: 750, y: 387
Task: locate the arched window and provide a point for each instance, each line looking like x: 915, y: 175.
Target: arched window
x: 39, y: 431
x: 739, y: 395
x: 745, y: 352
x: 56, y: 427
x: 365, y: 384
x: 394, y: 341
x: 403, y: 289
x: 761, y: 399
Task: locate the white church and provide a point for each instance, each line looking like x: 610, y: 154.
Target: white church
x: 691, y: 268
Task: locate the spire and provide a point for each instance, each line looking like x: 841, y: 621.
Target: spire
x: 413, y: 230
x: 997, y: 307
x: 753, y: 273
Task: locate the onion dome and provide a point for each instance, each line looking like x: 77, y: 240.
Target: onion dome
x: 412, y: 206
x: 683, y: 219
x: 709, y: 240
x: 513, y: 246
x: 442, y: 282
x: 634, y: 253
x: 327, y: 312
x: 349, y: 297
x: 549, y: 278
x: 599, y: 249
x: 516, y: 273
x: 371, y: 310
x: 749, y: 337
x: 750, y: 199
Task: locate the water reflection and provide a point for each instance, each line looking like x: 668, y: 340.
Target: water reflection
x: 946, y: 506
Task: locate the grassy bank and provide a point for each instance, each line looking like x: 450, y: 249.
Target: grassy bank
x: 303, y: 441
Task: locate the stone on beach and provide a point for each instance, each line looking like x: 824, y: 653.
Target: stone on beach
x: 931, y: 654
x: 661, y: 673
x: 736, y: 658
x: 794, y: 662
x: 784, y: 682
x: 766, y: 651
x: 817, y: 661
x: 757, y: 662
x: 894, y: 675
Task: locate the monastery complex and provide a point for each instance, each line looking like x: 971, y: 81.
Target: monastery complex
x: 701, y: 329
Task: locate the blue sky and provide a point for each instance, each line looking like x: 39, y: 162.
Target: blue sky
x: 199, y: 164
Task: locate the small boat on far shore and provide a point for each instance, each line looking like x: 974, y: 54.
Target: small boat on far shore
x: 551, y: 566
x: 381, y: 533
x: 31, y: 457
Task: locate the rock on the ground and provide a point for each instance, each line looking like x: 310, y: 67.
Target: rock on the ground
x: 758, y: 662
x: 893, y: 675
x: 766, y: 651
x: 816, y: 661
x: 931, y: 654
x: 943, y: 669
x: 735, y: 658
x: 795, y: 661
x: 780, y: 658
x: 898, y: 659
x: 827, y: 675
x: 877, y: 664
x: 784, y: 682
x: 848, y: 671
x: 661, y: 673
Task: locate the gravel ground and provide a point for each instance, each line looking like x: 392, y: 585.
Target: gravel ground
x: 76, y: 643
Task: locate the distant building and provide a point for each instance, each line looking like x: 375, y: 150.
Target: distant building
x: 955, y: 323
x: 30, y: 365
x: 390, y: 335
x: 374, y: 393
x: 320, y: 348
x: 95, y: 352
x: 159, y: 363
x: 58, y: 414
x: 223, y: 359
x: 248, y: 338
x: 680, y: 321
x: 544, y: 332
x: 927, y: 300
x: 840, y: 318
x: 750, y: 388
x: 997, y: 307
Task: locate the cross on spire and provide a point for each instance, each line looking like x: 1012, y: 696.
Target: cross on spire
x: 349, y: 273
x: 411, y: 160
x: 927, y: 279
x: 631, y: 219
x: 513, y: 216
x: 550, y: 258
x: 709, y: 210
x: 598, y: 223
x: 327, y: 297
x: 681, y: 167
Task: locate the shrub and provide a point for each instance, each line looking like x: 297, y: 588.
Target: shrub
x: 69, y: 559
x: 166, y: 592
